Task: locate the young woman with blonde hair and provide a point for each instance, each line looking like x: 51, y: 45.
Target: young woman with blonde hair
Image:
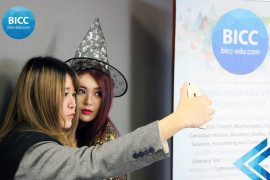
x: 36, y: 101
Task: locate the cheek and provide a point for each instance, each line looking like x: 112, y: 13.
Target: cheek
x: 61, y: 123
x: 64, y: 107
x: 79, y: 101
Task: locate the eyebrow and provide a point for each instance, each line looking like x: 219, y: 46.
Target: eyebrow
x: 96, y: 88
x: 67, y: 88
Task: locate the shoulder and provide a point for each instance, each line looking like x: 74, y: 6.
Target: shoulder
x: 110, y: 131
x: 111, y: 127
x: 14, y: 146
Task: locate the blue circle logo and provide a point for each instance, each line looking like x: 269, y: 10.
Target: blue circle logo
x: 18, y: 22
x: 240, y: 41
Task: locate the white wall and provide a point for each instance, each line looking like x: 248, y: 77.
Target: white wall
x: 139, y: 42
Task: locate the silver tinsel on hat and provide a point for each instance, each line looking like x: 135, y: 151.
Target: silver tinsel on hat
x: 92, y: 54
x: 93, y: 44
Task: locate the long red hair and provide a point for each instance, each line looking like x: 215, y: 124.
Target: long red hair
x: 86, y: 133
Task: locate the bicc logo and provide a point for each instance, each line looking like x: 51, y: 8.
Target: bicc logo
x: 18, y: 22
x: 240, y: 41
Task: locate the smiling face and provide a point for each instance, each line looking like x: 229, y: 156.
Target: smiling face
x: 69, y: 104
x: 88, y: 97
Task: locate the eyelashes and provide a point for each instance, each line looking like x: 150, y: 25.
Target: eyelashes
x: 97, y: 93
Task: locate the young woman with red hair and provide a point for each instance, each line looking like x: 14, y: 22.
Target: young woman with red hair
x: 94, y: 99
x: 99, y: 83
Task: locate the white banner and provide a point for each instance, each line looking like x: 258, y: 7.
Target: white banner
x: 223, y: 47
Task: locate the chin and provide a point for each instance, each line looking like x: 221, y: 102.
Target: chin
x: 86, y: 119
x: 68, y: 124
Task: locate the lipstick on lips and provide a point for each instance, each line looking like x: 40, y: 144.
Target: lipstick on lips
x: 86, y: 111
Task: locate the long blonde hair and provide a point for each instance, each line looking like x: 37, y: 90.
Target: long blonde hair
x: 37, y: 100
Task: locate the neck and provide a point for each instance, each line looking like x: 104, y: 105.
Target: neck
x: 83, y: 124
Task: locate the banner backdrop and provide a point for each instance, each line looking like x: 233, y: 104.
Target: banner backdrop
x: 223, y: 47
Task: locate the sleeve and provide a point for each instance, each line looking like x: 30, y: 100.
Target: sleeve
x: 48, y: 160
x: 164, y: 143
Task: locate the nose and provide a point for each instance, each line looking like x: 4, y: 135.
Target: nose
x: 88, y: 100
x: 72, y: 103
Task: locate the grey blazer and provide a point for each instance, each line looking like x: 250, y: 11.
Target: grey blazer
x: 49, y: 160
